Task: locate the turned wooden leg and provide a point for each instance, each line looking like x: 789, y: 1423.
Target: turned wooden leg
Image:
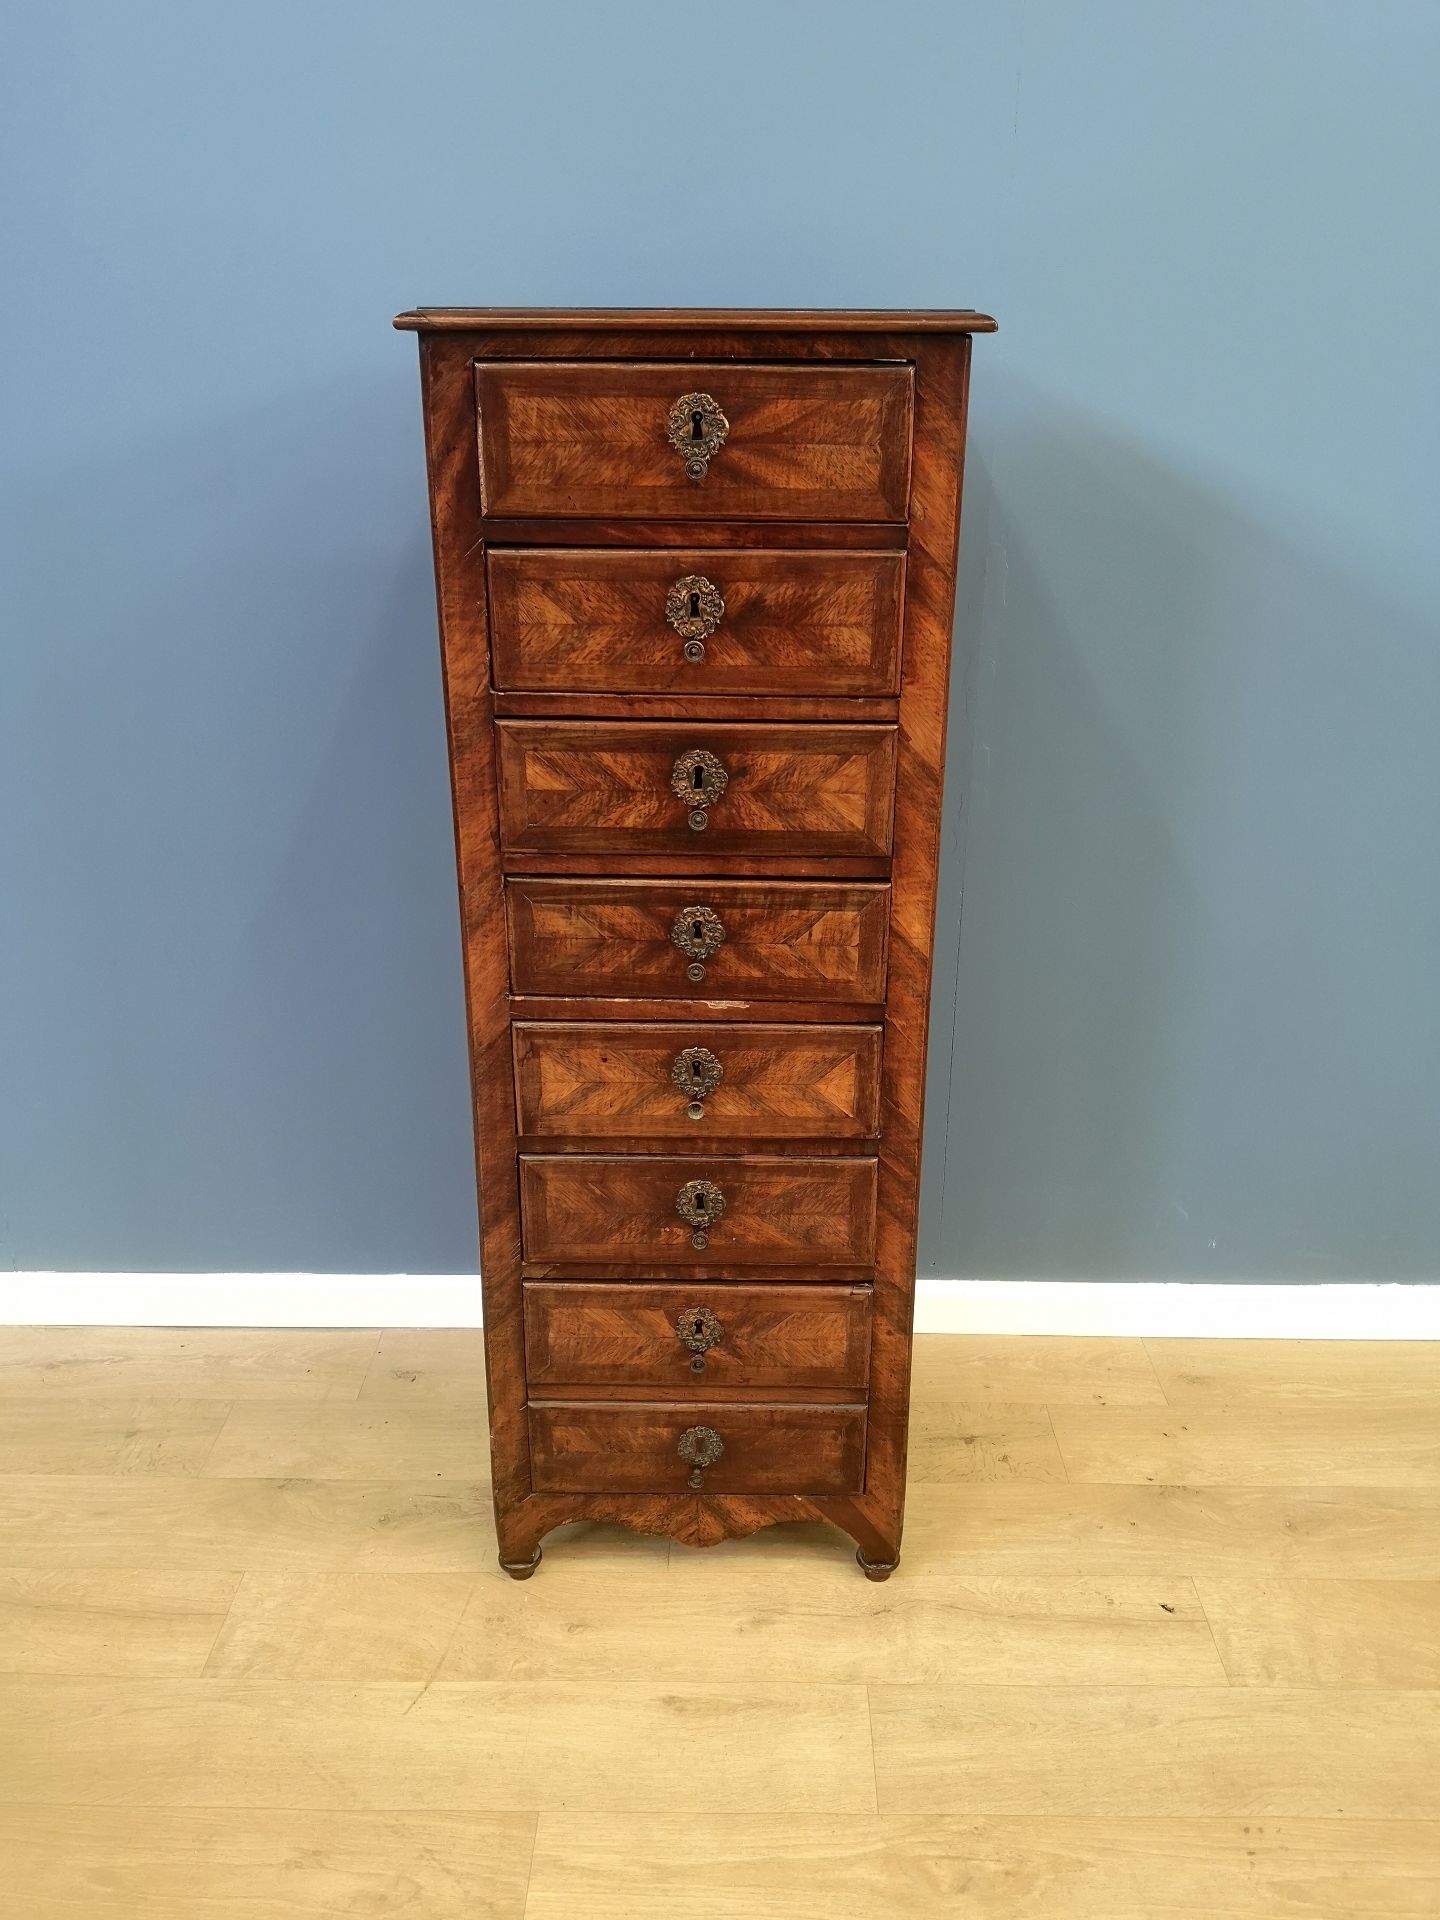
x: 876, y: 1569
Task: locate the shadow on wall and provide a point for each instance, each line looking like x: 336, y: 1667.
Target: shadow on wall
x: 1193, y: 1005
x: 244, y: 1042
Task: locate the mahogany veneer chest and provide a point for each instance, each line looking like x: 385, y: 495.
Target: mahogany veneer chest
x: 696, y: 581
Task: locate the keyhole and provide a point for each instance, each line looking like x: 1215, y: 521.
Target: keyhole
x: 694, y: 606
x: 694, y: 1069
x: 700, y: 1203
x: 697, y: 424
x: 697, y: 931
x: 697, y: 779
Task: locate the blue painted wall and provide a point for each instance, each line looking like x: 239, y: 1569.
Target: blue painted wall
x: 1190, y: 1027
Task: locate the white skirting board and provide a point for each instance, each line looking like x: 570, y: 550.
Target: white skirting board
x: 1339, y: 1310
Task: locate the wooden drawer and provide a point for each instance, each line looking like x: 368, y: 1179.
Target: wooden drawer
x: 579, y: 1446
x: 608, y: 1080
x: 569, y: 439
x: 603, y: 620
x: 593, y: 787
x: 594, y: 1209
x: 777, y: 940
x: 609, y: 1334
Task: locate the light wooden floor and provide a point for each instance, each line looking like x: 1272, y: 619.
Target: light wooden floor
x: 1165, y: 1642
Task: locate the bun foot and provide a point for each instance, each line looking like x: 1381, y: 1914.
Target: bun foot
x: 876, y: 1569
x: 521, y: 1569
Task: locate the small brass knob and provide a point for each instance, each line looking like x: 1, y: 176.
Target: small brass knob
x: 699, y: 1447
x: 696, y: 429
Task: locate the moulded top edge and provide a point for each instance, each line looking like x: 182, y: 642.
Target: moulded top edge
x: 680, y: 319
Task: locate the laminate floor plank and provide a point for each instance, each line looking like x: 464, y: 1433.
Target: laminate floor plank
x: 74, y: 1435
x: 147, y: 1863
x: 371, y: 1440
x: 464, y: 1747
x: 197, y: 1363
x: 1157, y: 1752
x: 113, y: 1622
x: 340, y: 1626
x: 1282, y: 1446
x: 1268, y: 1373
x: 1049, y: 1368
x: 970, y: 1441
x: 429, y: 1363
x: 829, y: 1628
x: 55, y: 1520
x: 1326, y: 1633
x: 936, y: 1866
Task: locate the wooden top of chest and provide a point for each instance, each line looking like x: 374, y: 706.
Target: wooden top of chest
x: 684, y: 319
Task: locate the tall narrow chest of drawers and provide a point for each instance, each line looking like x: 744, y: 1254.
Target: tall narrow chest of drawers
x: 696, y: 581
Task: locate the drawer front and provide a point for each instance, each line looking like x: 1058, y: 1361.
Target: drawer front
x: 696, y: 1337
x: 638, y: 787
x: 693, y: 1082
x: 579, y: 1446
x: 695, y: 939
x: 700, y: 621
x: 569, y: 439
x: 626, y: 1210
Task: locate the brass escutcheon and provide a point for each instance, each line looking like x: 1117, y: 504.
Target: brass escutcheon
x: 698, y: 933
x: 697, y: 1073
x: 698, y: 1330
x: 696, y: 429
x: 694, y: 609
x: 699, y: 1447
x: 700, y: 1203
x: 698, y: 779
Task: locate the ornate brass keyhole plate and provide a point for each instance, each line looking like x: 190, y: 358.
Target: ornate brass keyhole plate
x: 700, y: 1203
x: 694, y: 608
x: 696, y: 429
x: 698, y: 1330
x: 698, y: 778
x: 697, y: 1073
x: 699, y: 1447
x: 697, y: 932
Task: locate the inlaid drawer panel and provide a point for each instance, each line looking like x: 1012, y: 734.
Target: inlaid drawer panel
x: 579, y: 1446
x: 711, y: 620
x: 696, y: 1336
x: 698, y: 938
x: 705, y: 1211
x: 692, y: 1082
x: 563, y: 438
x: 583, y: 787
